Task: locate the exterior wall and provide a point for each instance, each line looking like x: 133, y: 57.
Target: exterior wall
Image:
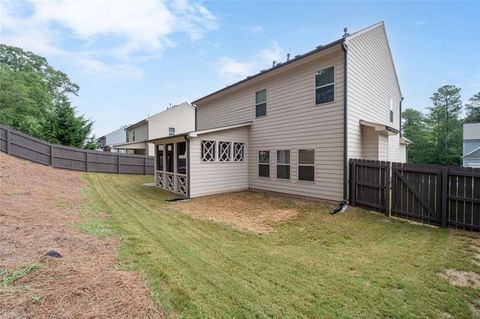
x: 218, y: 177
x: 470, y: 145
x: 471, y: 162
x: 471, y: 131
x: 383, y: 147
x: 403, y: 153
x: 116, y: 137
x: 181, y: 117
x: 371, y: 84
x: 292, y: 122
x: 141, y: 133
x: 369, y: 143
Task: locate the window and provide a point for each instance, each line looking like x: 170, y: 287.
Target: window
x: 283, y: 164
x: 208, y: 151
x: 325, y: 85
x: 391, y: 110
x: 261, y: 103
x: 182, y: 157
x: 306, y: 165
x: 171, y: 131
x: 160, y: 157
x: 238, y: 152
x: 133, y: 136
x: 224, y: 151
x: 264, y: 163
x: 128, y: 137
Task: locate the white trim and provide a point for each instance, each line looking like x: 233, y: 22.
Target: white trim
x: 470, y: 153
x: 365, y: 30
x: 213, y: 130
x: 315, y: 87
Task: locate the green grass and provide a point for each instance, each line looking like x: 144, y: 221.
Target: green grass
x: 9, y: 277
x: 352, y: 265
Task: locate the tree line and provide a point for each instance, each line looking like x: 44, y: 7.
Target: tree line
x: 35, y: 98
x: 437, y: 135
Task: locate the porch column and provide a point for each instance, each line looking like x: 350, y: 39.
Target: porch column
x: 164, y: 146
x: 175, y: 179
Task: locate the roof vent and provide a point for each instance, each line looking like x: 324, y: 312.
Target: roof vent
x: 288, y: 56
x: 297, y: 56
x: 345, y: 32
x: 273, y: 63
x: 320, y: 46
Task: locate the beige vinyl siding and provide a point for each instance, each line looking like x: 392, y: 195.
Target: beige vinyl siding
x: 218, y: 177
x: 371, y: 83
x: 141, y: 133
x: 403, y: 154
x: 293, y: 122
x: 383, y: 147
x: 369, y: 143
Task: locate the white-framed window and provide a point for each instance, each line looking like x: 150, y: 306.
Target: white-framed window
x: 264, y: 163
x: 283, y: 164
x: 261, y: 103
x: 325, y: 86
x: 238, y: 150
x: 224, y: 151
x: 171, y: 131
x: 306, y: 165
x: 391, y: 110
x: 208, y: 151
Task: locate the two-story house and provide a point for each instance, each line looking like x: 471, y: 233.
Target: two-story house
x: 176, y: 119
x: 471, y: 145
x: 293, y: 127
x: 106, y: 141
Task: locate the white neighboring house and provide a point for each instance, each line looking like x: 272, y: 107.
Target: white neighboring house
x: 106, y: 141
x: 293, y: 127
x: 176, y: 119
x: 471, y: 145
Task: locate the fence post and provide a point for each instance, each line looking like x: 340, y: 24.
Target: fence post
x: 86, y: 161
x: 387, y: 189
x: 8, y: 140
x: 444, y: 195
x: 118, y: 163
x: 145, y: 165
x: 354, y: 181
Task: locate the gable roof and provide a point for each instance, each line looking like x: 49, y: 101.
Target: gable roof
x: 475, y: 154
x: 141, y: 122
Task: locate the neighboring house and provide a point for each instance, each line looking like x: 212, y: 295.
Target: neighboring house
x: 471, y: 145
x: 293, y: 127
x: 176, y: 119
x: 105, y: 142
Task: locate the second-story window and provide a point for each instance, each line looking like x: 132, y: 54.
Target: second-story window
x: 261, y: 103
x: 325, y: 86
x: 171, y: 131
x: 391, y: 110
x: 133, y: 135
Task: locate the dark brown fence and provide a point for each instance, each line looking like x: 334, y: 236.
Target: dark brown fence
x: 439, y: 195
x: 24, y: 146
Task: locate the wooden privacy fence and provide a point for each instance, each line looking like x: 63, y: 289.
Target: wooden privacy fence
x: 24, y: 146
x: 445, y: 196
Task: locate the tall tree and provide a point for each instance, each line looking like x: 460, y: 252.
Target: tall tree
x: 416, y: 130
x: 473, y: 109
x: 446, y: 126
x: 35, y: 98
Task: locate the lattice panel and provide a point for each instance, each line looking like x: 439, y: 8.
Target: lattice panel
x: 238, y: 149
x: 208, y: 151
x: 224, y: 150
x: 169, y: 182
x: 182, y: 184
x: 160, y: 181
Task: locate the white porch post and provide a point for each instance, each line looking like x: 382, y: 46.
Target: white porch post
x: 164, y: 146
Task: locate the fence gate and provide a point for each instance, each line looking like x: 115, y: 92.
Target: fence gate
x: 370, y: 184
x: 416, y: 192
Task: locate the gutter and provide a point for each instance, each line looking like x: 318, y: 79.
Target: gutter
x: 345, y: 121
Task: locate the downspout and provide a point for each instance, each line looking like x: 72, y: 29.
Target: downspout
x: 400, y: 116
x: 345, y: 121
x: 188, y: 162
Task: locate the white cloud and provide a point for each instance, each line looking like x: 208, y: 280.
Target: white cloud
x: 107, y: 28
x: 232, y: 69
x: 108, y: 70
x: 419, y: 23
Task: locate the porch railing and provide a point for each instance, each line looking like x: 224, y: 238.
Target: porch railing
x: 172, y: 182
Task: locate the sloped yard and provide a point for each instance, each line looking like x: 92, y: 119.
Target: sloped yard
x: 303, y: 265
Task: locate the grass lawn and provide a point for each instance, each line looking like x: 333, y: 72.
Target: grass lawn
x: 352, y: 265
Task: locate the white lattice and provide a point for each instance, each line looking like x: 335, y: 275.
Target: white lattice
x: 224, y: 150
x: 238, y: 149
x: 160, y: 179
x: 208, y: 151
x: 182, y: 183
x: 169, y: 181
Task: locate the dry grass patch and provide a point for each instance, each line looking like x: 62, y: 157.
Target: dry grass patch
x: 257, y: 212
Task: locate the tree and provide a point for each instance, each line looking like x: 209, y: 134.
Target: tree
x: 473, y: 109
x: 445, y: 125
x: 415, y: 129
x: 35, y: 99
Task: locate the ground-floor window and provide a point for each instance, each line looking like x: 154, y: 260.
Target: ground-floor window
x: 224, y: 151
x: 306, y: 165
x: 238, y: 149
x: 264, y: 163
x: 208, y: 151
x: 283, y: 164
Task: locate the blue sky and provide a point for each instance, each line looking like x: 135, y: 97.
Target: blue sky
x: 134, y: 58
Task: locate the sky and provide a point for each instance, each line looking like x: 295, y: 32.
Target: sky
x: 133, y: 58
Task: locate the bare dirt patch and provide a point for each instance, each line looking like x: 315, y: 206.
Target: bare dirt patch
x: 258, y: 212
x: 39, y: 211
x: 459, y: 278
